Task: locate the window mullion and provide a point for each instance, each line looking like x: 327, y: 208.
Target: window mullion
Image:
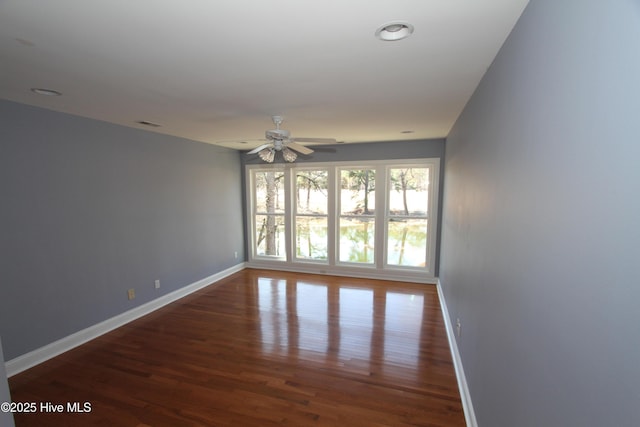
x: 380, y: 216
x: 252, y: 208
x: 332, y: 211
x: 289, y: 213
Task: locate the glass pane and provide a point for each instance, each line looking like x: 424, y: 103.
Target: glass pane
x: 409, y: 191
x: 270, y: 239
x: 311, y: 237
x: 311, y: 192
x: 269, y: 191
x: 357, y: 192
x: 356, y: 240
x: 407, y: 242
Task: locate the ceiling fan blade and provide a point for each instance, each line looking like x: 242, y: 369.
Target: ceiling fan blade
x: 260, y: 148
x: 321, y: 140
x: 299, y: 148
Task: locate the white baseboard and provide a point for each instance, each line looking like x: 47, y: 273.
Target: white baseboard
x: 35, y: 357
x: 467, y: 405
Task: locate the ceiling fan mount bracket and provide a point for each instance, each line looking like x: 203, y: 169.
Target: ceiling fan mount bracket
x: 277, y: 120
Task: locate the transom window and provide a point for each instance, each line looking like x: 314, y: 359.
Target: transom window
x: 377, y: 216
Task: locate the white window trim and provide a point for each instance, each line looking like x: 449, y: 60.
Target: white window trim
x: 379, y: 269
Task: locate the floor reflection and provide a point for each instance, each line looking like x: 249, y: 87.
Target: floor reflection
x: 356, y: 323
x: 312, y: 313
x: 369, y: 326
x: 403, y: 325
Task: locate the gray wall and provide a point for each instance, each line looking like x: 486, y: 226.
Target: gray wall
x: 419, y: 148
x: 91, y: 209
x: 541, y: 229
x: 6, y: 418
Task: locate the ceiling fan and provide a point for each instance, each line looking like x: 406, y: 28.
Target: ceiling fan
x: 279, y: 140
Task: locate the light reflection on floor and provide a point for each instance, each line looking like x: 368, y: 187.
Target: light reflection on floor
x: 347, y: 324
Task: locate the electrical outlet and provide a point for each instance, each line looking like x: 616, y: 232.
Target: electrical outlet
x: 458, y: 327
x: 131, y: 293
x: 235, y: 254
x: 157, y: 284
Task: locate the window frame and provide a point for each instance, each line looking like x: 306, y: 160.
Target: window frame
x: 380, y: 268
x: 430, y: 247
x: 251, y: 220
x: 338, y: 176
x: 295, y: 214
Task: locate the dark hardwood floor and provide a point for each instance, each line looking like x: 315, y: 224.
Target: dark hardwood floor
x: 262, y: 348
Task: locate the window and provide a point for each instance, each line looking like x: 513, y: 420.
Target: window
x: 311, y: 214
x: 407, y: 216
x: 377, y: 216
x: 268, y: 218
x: 357, y: 215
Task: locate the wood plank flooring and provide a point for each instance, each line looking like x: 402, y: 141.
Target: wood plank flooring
x: 262, y: 348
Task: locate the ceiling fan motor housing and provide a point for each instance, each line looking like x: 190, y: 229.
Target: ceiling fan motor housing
x: 277, y: 134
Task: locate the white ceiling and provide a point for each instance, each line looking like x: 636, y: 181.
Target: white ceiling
x: 217, y: 70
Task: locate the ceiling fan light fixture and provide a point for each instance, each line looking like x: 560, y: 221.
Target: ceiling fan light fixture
x: 267, y: 155
x: 394, y: 31
x: 278, y: 140
x: 289, y: 155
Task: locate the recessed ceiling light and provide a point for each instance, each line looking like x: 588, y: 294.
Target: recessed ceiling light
x: 45, y: 92
x: 25, y: 42
x: 394, y: 31
x: 146, y: 123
